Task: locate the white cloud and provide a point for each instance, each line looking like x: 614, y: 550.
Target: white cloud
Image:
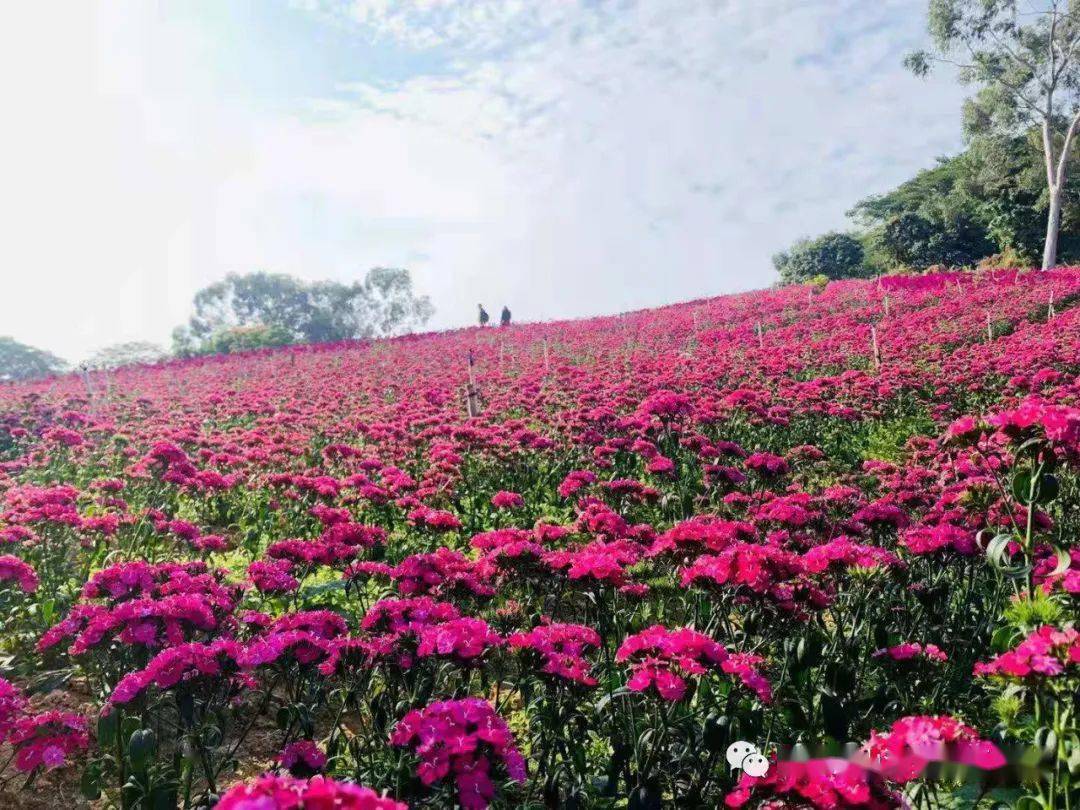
x: 566, y: 158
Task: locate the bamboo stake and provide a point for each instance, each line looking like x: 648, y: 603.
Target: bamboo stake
x: 886, y: 302
x: 1050, y: 307
x: 89, y: 388
x: 989, y: 328
x: 472, y: 393
x: 760, y: 336
x: 874, y: 346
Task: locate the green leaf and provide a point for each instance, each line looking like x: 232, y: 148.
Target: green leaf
x: 834, y: 716
x: 108, y: 726
x: 141, y: 748
x: 90, y: 782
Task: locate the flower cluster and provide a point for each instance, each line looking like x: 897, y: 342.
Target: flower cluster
x: 465, y: 740
x: 663, y: 659
x: 318, y: 793
x: 1046, y: 653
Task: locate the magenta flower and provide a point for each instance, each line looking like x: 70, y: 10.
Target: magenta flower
x: 1046, y: 653
x: 902, y: 753
x: 12, y: 569
x: 46, y: 740
x: 912, y: 650
x: 463, y: 640
x: 507, y: 500
x: 464, y: 739
x: 562, y: 649
x: 319, y: 793
x: 302, y: 758
x: 665, y: 659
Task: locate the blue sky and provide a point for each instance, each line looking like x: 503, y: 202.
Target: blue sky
x: 565, y: 157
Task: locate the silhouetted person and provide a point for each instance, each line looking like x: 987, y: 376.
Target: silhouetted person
x: 504, y: 319
x: 484, y: 317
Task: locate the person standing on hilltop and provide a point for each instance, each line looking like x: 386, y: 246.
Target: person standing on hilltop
x: 484, y: 317
x: 504, y: 319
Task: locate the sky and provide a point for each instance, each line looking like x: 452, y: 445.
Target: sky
x: 563, y: 157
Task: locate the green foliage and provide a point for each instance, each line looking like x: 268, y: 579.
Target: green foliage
x: 290, y: 310
x: 915, y: 241
x: 887, y: 440
x: 245, y: 338
x: 1021, y: 59
x: 21, y: 362
x: 834, y: 256
x: 989, y: 200
x: 126, y: 354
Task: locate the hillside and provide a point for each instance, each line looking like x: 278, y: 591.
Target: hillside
x: 795, y: 515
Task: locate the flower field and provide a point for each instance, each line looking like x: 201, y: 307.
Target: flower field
x: 563, y: 565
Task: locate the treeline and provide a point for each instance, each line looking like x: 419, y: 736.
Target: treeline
x: 987, y: 206
x: 254, y: 311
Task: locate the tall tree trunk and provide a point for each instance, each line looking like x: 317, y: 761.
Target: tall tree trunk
x: 1053, y: 225
x: 1055, y: 181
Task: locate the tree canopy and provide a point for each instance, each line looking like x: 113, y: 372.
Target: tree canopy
x: 1022, y: 60
x: 21, y: 362
x: 834, y: 256
x: 990, y: 200
x: 260, y: 309
x: 126, y: 354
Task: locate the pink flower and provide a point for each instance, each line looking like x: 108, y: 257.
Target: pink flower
x: 664, y: 659
x: 319, y: 793
x: 767, y: 464
x: 912, y: 650
x: 273, y: 577
x: 464, y: 738
x: 902, y: 753
x: 562, y: 648
x: 463, y: 639
x: 507, y: 500
x: 47, y: 739
x: 825, y: 784
x: 12, y: 569
x: 12, y: 703
x: 443, y: 572
x: 302, y: 758
x: 1047, y: 652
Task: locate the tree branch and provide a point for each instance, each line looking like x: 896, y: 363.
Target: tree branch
x: 1063, y: 158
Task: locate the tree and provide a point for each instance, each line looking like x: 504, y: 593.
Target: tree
x: 21, y: 362
x: 246, y: 338
x: 834, y: 255
x: 1025, y: 62
x: 126, y: 354
x: 991, y: 198
x: 294, y: 311
x: 912, y: 240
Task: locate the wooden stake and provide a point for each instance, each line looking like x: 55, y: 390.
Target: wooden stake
x: 874, y: 346
x: 1050, y: 307
x: 472, y: 401
x: 886, y: 302
x: 989, y: 328
x: 89, y: 389
x: 546, y: 360
x: 760, y: 336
